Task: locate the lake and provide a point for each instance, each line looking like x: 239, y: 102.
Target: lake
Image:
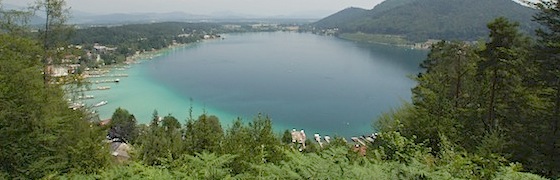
x: 304, y: 81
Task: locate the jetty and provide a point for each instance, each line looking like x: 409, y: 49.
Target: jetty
x: 117, y: 75
x: 86, y: 97
x: 105, y: 81
x: 106, y: 75
x: 103, y: 87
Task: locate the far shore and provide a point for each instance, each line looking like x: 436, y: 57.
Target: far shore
x: 146, y: 55
x: 393, y: 40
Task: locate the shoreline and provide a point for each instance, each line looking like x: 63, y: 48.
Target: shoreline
x: 385, y: 39
x: 148, y: 55
x: 141, y: 92
x: 103, y: 78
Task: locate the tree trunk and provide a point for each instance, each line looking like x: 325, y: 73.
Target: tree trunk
x: 491, y: 119
x: 458, y: 85
x: 46, y: 44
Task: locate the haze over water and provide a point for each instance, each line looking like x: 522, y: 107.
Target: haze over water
x: 321, y: 84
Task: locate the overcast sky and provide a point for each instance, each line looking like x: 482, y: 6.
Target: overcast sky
x: 253, y: 7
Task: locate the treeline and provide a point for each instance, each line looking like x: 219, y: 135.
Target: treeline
x: 487, y: 111
x: 498, y: 99
x: 144, y: 37
x: 202, y: 149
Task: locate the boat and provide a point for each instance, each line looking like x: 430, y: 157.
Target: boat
x: 86, y: 97
x: 75, y: 106
x: 103, y: 87
x: 100, y: 103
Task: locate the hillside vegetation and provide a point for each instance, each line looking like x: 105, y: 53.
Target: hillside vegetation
x: 485, y: 111
x: 420, y: 20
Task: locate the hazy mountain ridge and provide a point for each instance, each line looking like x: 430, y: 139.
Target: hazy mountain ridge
x: 135, y: 17
x: 420, y: 20
x: 82, y: 17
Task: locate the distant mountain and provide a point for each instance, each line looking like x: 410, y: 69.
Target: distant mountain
x: 419, y: 20
x: 341, y: 18
x: 82, y: 18
x: 35, y: 19
x: 87, y: 18
x: 223, y: 16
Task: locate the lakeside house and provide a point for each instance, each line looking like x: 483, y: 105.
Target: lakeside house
x: 232, y: 26
x: 291, y: 28
x: 101, y: 48
x: 120, y: 150
x: 261, y: 26
x: 299, y: 137
x: 57, y: 71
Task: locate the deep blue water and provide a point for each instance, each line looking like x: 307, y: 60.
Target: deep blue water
x: 321, y: 84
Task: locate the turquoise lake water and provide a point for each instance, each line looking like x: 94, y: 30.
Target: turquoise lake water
x: 321, y: 84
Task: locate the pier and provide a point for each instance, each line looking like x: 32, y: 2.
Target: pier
x: 105, y: 81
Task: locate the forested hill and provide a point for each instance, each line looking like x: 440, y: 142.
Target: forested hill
x: 420, y: 20
x: 342, y: 17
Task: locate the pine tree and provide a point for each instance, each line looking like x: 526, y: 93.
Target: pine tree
x: 206, y: 134
x: 444, y: 92
x: 504, y: 56
x: 547, y: 55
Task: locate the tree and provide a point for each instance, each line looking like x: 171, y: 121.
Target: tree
x: 238, y: 142
x: 40, y: 134
x: 263, y: 136
x: 482, y: 98
x: 254, y: 143
x: 155, y: 119
x: 56, y: 33
x: 287, y: 137
x: 123, y: 125
x: 443, y: 94
x: 504, y: 56
x: 170, y: 123
x: 547, y: 55
x: 14, y: 22
x: 206, y: 134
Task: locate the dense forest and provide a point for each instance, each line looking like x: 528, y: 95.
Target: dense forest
x: 420, y: 20
x: 484, y: 111
x: 142, y: 37
x: 499, y: 99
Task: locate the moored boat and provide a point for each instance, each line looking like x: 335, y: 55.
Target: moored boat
x: 86, y: 97
x: 100, y: 103
x: 103, y: 87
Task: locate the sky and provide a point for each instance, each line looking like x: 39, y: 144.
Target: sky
x: 208, y: 7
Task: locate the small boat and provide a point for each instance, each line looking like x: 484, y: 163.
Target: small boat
x: 86, y: 97
x: 103, y: 87
x: 76, y: 106
x: 100, y: 103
